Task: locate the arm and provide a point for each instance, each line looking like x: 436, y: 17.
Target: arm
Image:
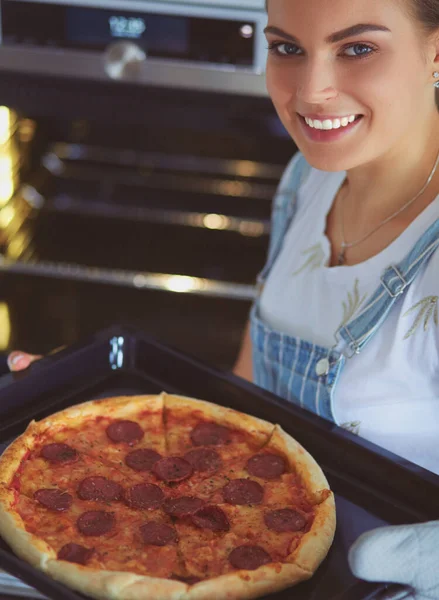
x: 243, y: 366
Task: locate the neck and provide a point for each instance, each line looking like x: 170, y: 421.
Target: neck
x: 381, y: 187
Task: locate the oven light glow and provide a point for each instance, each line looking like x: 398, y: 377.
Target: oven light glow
x: 214, y: 221
x: 19, y: 242
x: 5, y: 326
x: 7, y: 215
x: 5, y: 124
x: 7, y: 188
x: 246, y: 31
x: 246, y: 168
x: 7, y: 162
x: 182, y: 283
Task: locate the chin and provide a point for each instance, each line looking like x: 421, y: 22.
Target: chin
x: 327, y: 159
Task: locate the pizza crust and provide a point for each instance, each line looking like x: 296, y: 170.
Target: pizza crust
x: 12, y: 457
x: 121, y: 407
x: 243, y: 585
x: 258, y: 428
x: 12, y: 529
x: 115, y: 585
x: 315, y: 544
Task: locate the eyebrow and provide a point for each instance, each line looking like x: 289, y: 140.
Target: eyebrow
x: 335, y: 37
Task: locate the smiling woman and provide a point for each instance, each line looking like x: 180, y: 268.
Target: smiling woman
x: 347, y: 322
x: 352, y: 262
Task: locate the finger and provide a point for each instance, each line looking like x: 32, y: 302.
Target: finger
x: 17, y: 360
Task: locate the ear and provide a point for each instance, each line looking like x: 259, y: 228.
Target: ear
x: 434, y: 52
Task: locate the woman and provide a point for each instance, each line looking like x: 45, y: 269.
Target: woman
x: 347, y: 320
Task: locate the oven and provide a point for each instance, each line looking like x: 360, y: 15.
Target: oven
x: 143, y: 155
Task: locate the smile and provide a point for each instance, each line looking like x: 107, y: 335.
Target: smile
x: 329, y: 129
x: 328, y: 124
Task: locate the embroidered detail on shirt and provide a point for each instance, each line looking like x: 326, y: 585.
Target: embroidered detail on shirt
x: 354, y: 303
x: 353, y: 427
x: 427, y: 311
x: 315, y: 259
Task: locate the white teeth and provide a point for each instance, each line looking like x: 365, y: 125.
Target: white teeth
x: 329, y: 124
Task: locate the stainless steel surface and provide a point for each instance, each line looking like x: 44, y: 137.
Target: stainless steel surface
x: 396, y: 592
x: 15, y: 587
x: 138, y: 280
x: 83, y: 65
x: 172, y: 73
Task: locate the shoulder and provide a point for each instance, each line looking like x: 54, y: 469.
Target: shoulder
x: 428, y: 280
x: 420, y: 307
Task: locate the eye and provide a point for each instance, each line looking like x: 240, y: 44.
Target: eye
x: 359, y: 50
x: 283, y: 49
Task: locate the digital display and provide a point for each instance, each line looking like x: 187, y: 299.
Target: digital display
x: 127, y: 27
x: 154, y: 33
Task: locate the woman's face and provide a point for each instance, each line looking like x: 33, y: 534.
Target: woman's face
x: 380, y: 74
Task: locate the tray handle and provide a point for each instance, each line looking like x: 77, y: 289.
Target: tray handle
x: 387, y: 591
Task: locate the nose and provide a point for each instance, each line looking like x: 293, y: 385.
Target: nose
x: 316, y: 83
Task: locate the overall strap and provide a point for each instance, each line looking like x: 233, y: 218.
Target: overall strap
x: 284, y: 208
x: 394, y: 282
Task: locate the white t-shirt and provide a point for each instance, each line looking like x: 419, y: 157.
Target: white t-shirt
x: 388, y: 394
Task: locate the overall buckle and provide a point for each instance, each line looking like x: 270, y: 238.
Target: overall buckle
x: 401, y: 285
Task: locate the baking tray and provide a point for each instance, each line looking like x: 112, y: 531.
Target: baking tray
x: 372, y: 487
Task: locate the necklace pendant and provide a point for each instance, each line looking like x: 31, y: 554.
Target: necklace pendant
x: 341, y: 257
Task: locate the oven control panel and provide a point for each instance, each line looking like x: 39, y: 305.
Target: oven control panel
x: 204, y: 45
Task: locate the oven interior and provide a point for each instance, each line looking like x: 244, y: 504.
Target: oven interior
x: 138, y: 205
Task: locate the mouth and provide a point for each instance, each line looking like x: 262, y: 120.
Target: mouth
x: 329, y: 130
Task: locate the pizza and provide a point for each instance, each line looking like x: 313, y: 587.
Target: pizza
x: 164, y: 497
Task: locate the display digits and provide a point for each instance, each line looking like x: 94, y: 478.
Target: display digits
x: 127, y: 27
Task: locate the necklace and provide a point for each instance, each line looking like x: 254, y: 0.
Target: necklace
x: 345, y: 245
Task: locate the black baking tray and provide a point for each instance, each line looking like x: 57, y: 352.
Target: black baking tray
x: 372, y: 487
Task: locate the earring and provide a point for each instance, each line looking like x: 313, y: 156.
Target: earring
x: 436, y: 75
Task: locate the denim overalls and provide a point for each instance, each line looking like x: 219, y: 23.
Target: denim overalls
x: 301, y: 371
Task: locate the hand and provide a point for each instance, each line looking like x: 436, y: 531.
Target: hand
x: 18, y: 361
x: 406, y: 554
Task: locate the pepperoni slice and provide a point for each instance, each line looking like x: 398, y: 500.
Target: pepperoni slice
x: 183, y: 506
x: 243, y: 491
x: 95, y: 523
x: 142, y: 460
x: 173, y: 468
x: 54, y: 499
x: 99, y: 489
x: 266, y: 466
x: 75, y: 553
x: 284, y: 520
x: 249, y: 557
x: 144, y: 496
x: 204, y: 459
x: 59, y: 453
x: 158, y: 534
x: 125, y: 431
x: 211, y: 517
x: 209, y: 434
